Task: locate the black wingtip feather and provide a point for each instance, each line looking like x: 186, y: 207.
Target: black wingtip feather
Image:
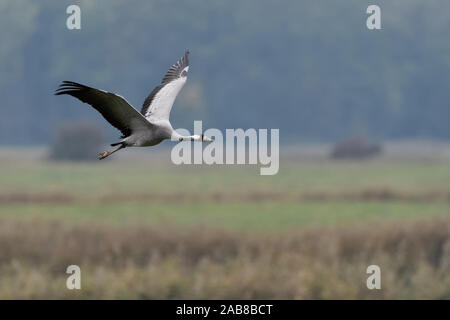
x: 66, y: 87
x: 186, y: 56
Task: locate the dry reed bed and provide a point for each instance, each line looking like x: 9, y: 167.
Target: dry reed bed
x: 375, y: 195
x: 149, y: 262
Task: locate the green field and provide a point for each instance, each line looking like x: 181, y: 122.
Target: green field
x: 300, y: 195
x: 224, y: 231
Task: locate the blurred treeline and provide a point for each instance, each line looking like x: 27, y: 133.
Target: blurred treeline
x: 310, y: 68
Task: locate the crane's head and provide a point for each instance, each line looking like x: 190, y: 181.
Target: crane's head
x: 207, y: 139
x: 201, y: 137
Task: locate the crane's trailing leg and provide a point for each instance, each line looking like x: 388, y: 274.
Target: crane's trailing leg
x: 104, y: 154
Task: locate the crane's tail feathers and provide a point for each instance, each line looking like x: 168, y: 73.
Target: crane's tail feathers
x: 116, y: 144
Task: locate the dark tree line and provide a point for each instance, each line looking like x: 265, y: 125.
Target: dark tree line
x: 310, y: 68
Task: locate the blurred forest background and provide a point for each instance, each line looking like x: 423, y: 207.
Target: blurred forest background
x: 310, y: 68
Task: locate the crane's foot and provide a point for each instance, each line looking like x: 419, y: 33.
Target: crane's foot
x: 103, y: 155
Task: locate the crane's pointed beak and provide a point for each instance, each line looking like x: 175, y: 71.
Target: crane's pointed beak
x: 207, y: 139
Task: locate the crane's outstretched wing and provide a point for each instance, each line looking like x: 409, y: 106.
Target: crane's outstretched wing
x: 158, y: 104
x: 115, y: 109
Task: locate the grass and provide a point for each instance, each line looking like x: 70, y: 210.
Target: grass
x: 97, y: 178
x: 234, y: 216
x: 146, y: 229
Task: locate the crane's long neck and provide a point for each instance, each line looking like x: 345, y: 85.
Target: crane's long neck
x: 178, y: 137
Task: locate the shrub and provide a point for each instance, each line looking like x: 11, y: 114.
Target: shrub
x: 77, y: 142
x: 355, y: 149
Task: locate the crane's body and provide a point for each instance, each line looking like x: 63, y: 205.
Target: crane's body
x: 139, y: 129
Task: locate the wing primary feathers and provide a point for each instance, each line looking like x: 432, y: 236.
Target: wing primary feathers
x: 173, y: 74
x: 68, y: 87
x: 116, y: 110
x: 176, y: 69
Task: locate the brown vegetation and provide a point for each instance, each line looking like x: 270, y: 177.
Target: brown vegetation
x: 358, y: 148
x: 373, y: 194
x: 39, y: 197
x: 146, y: 262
